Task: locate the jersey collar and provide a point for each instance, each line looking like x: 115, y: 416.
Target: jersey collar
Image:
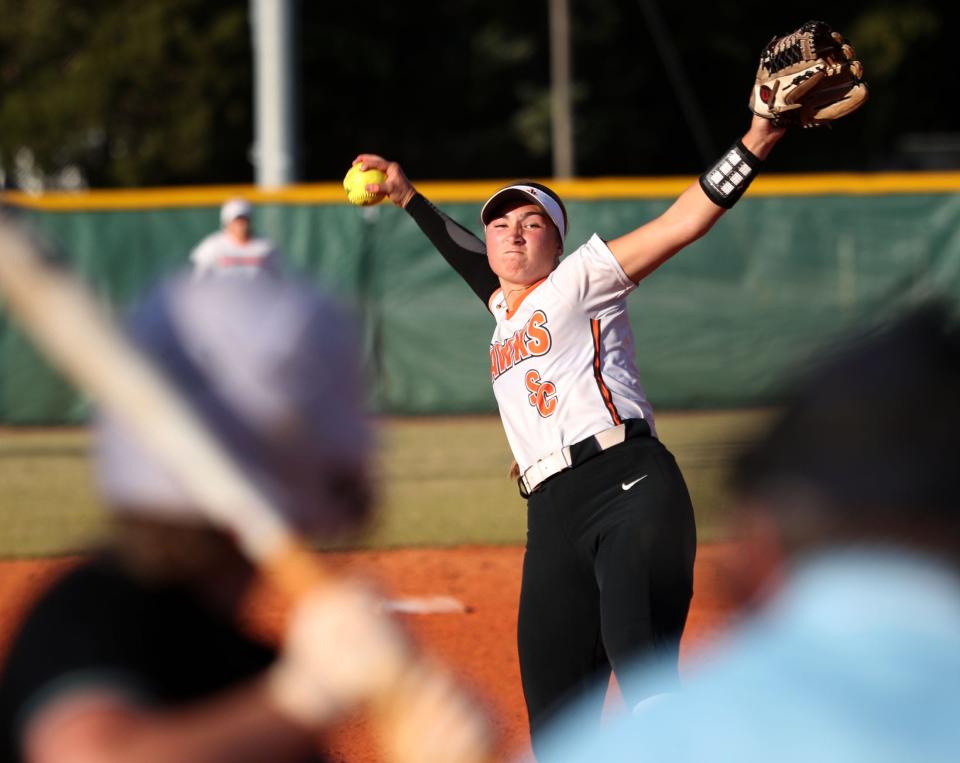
x: 523, y: 296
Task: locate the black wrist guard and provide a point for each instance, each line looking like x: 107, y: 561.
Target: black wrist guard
x: 727, y: 180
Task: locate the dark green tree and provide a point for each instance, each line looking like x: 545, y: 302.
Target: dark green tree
x: 130, y: 92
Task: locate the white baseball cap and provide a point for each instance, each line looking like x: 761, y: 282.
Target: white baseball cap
x: 273, y: 369
x: 534, y: 193
x: 233, y: 209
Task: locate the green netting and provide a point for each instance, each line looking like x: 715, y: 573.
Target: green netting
x: 717, y: 326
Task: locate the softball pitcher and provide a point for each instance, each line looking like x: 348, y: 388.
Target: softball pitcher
x: 608, y: 568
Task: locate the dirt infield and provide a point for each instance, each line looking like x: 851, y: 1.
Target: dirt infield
x: 479, y: 644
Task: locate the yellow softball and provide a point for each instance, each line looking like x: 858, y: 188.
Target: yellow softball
x: 355, y: 184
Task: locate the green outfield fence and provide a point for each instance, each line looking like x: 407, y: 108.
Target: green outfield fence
x: 800, y: 261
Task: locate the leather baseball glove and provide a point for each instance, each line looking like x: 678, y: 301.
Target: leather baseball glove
x: 808, y: 78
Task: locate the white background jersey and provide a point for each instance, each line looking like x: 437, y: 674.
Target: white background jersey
x: 222, y: 254
x: 563, y: 363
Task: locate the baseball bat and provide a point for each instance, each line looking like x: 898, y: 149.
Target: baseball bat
x: 75, y: 332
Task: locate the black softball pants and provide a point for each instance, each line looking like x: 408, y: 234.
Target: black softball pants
x: 607, y: 575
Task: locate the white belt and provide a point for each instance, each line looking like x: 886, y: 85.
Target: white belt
x: 559, y: 460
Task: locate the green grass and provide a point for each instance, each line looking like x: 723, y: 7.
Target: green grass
x: 442, y: 481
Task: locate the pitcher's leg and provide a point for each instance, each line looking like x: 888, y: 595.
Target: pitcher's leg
x: 558, y: 631
x: 644, y: 568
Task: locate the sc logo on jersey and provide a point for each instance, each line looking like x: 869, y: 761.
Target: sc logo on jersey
x: 543, y: 394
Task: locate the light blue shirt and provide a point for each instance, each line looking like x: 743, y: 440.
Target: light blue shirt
x: 856, y: 659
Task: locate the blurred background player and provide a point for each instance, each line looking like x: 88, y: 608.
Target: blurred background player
x: 135, y: 654
x: 849, y: 515
x: 234, y: 249
x: 608, y: 566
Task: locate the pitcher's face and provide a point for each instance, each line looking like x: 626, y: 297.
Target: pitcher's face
x: 523, y: 244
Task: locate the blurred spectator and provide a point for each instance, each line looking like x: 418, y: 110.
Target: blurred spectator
x: 850, y: 523
x: 234, y: 249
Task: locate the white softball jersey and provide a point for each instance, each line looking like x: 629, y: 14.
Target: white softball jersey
x: 221, y: 254
x: 562, y: 363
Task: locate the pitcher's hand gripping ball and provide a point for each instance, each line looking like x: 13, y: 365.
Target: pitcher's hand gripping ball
x: 808, y: 78
x: 355, y: 184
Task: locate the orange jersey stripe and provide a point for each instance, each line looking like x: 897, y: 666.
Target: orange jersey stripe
x: 604, y: 390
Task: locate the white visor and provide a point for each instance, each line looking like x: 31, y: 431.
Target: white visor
x: 543, y: 200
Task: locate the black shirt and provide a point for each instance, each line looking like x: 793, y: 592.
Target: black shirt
x: 98, y: 627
